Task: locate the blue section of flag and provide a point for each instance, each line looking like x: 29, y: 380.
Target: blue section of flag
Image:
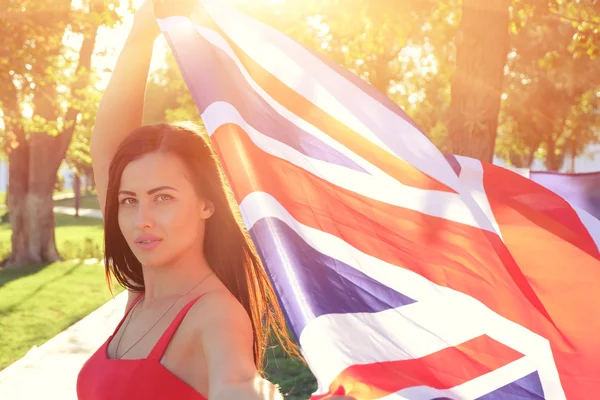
x: 326, y: 285
x: 528, y: 387
x: 454, y: 163
x: 581, y: 190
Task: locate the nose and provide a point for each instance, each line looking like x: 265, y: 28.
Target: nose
x: 145, y: 217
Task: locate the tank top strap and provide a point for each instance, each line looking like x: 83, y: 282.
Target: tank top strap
x: 127, y: 312
x: 161, y: 346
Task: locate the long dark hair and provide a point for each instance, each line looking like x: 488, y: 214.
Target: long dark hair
x: 228, y: 247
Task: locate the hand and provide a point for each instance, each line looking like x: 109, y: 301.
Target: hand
x: 144, y: 21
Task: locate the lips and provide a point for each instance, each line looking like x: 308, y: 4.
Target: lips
x: 147, y: 242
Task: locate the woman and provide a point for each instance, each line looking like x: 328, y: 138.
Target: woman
x: 200, y: 305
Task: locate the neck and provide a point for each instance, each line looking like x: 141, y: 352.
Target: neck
x: 172, y: 280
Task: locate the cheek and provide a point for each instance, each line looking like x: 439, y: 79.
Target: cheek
x: 126, y: 223
x: 180, y: 221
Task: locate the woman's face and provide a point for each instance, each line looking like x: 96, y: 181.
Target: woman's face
x: 161, y: 216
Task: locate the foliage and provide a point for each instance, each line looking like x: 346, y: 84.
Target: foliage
x: 39, y: 55
x: 59, y: 185
x: 46, y: 90
x: 78, y: 156
x: 168, y: 98
x: 293, y: 376
x: 552, y: 83
x: 39, y: 79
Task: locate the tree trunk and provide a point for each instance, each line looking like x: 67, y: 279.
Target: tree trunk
x: 16, y: 199
x: 30, y: 203
x: 40, y: 216
x: 92, y: 181
x: 77, y: 192
x: 554, y: 162
x: 18, y: 171
x: 482, y: 47
x: 521, y: 160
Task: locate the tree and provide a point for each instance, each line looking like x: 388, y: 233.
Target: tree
x: 42, y: 76
x: 366, y: 37
x: 168, y: 98
x: 482, y: 47
x: 78, y: 157
x: 552, y: 81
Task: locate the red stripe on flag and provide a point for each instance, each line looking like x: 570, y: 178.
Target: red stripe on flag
x: 442, y: 370
x: 524, y: 204
x: 464, y: 258
x: 556, y: 254
x: 300, y: 106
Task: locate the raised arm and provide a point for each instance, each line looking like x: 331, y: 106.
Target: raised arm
x: 226, y: 333
x: 122, y: 104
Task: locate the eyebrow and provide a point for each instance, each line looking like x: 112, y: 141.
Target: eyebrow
x: 151, y: 191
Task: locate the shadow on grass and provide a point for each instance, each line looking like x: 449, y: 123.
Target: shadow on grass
x: 14, y: 274
x: 10, y: 274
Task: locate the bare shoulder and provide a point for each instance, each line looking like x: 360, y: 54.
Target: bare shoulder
x: 224, y: 330
x: 221, y: 309
x: 222, y: 323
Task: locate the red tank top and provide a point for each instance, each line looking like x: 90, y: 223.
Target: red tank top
x: 103, y: 378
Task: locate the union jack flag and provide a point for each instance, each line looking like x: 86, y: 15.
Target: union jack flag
x: 403, y: 273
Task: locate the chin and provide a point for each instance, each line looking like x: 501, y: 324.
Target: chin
x: 151, y: 260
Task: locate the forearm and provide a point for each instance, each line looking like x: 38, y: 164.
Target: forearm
x: 122, y: 104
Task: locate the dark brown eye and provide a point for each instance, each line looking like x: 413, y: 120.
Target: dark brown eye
x: 164, y: 197
x: 128, y: 201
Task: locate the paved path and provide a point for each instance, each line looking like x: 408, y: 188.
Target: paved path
x: 50, y: 371
x: 83, y: 212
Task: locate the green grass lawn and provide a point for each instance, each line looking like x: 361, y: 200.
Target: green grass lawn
x: 75, y: 237
x: 39, y: 302
x: 90, y: 201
